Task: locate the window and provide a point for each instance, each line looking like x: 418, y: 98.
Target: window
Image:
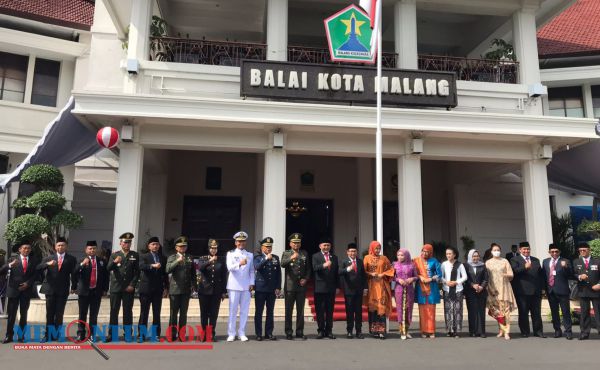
x: 596, y: 100
x: 13, y: 73
x: 45, y: 82
x: 566, y: 102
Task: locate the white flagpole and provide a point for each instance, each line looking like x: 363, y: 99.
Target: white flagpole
x: 378, y: 140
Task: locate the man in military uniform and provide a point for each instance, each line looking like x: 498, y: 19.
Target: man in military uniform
x: 239, y: 285
x: 297, y: 272
x: 183, y: 279
x: 587, y: 273
x: 153, y: 286
x: 124, y: 270
x: 268, y: 285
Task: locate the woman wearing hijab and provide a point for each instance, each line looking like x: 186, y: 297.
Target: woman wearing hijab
x: 380, y: 273
x: 427, y: 291
x: 405, y: 276
x: 453, y: 277
x: 476, y: 293
x: 501, y: 300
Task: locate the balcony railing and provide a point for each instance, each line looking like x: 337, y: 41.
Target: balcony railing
x: 170, y: 49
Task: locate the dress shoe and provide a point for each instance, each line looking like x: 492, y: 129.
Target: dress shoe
x: 471, y: 334
x: 584, y: 337
x: 289, y: 337
x: 349, y: 336
x: 301, y: 336
x: 108, y: 339
x: 271, y: 337
x: 7, y: 340
x: 381, y: 336
x: 44, y: 340
x: 557, y: 334
x: 230, y: 338
x: 360, y: 336
x: 320, y: 336
x: 523, y: 335
x: 259, y: 338
x: 483, y: 336
x: 330, y: 336
x: 569, y: 336
x: 244, y: 338
x: 540, y: 335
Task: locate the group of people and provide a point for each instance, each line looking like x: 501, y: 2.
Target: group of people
x: 496, y: 285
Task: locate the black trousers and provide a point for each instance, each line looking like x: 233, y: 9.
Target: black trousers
x: 20, y: 303
x: 153, y: 299
x: 209, y: 310
x: 55, y: 311
x: 586, y: 321
x: 353, y: 305
x: 560, y: 301
x: 530, y: 304
x: 476, y: 307
x: 262, y: 299
x: 324, y: 303
x: 91, y: 303
x: 115, y: 305
x: 294, y: 298
x: 178, y: 316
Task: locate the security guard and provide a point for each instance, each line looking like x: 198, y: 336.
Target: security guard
x: 240, y: 284
x: 268, y: 285
x: 124, y: 270
x: 182, y: 280
x: 212, y: 279
x: 297, y: 272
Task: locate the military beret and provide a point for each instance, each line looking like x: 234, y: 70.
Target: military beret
x: 91, y: 243
x: 267, y: 242
x: 126, y: 236
x: 181, y: 241
x: 240, y: 235
x: 153, y: 239
x: 524, y: 245
x: 295, y: 238
x: 213, y: 243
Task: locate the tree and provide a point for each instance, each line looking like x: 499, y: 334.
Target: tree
x: 42, y: 215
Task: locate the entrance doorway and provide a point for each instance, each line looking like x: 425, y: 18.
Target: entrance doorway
x: 314, y: 222
x: 210, y: 218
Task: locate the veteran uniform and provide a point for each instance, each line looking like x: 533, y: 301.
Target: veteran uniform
x: 124, y: 270
x: 182, y: 279
x: 268, y: 284
x: 239, y: 285
x: 212, y: 280
x: 297, y: 272
x: 589, y: 266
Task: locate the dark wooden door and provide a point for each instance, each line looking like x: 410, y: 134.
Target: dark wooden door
x: 314, y: 223
x: 210, y: 218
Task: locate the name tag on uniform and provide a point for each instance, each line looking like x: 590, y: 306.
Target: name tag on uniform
x: 594, y: 267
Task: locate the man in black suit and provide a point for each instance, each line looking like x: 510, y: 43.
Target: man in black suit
x: 325, y: 266
x: 21, y: 278
x: 557, y: 272
x: 528, y: 283
x: 353, y: 282
x: 514, y: 252
x: 587, y: 272
x: 59, y: 268
x: 153, y: 286
x: 90, y: 282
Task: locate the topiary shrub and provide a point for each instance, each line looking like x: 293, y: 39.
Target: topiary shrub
x: 26, y: 228
x: 43, y: 176
x: 595, y: 248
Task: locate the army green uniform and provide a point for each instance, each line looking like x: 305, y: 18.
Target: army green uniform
x: 295, y: 294
x: 181, y: 281
x: 123, y: 274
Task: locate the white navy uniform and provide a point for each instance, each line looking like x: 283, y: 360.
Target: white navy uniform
x: 238, y: 286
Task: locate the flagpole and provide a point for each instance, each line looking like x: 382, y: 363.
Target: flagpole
x: 378, y: 134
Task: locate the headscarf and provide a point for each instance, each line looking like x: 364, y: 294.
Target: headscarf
x: 374, y: 244
x: 407, y: 259
x: 470, y: 258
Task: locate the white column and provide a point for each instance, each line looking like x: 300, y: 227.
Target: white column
x: 129, y: 191
x: 525, y: 45
x: 405, y: 33
x: 366, y: 176
x: 274, y: 198
x: 410, y: 204
x: 138, y: 47
x: 537, y: 206
x: 68, y: 190
x: 588, y: 103
x: 277, y: 29
x: 29, y: 79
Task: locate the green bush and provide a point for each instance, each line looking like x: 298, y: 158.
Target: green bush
x: 26, y: 228
x: 67, y: 219
x: 44, y: 176
x: 589, y: 228
x: 46, y: 199
x: 595, y: 248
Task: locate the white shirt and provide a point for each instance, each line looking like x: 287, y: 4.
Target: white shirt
x: 240, y: 277
x: 461, y: 276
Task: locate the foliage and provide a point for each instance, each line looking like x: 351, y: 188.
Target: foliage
x: 562, y: 235
x: 26, y: 228
x: 590, y: 229
x: 595, y: 248
x: 503, y: 51
x: 47, y: 200
x: 158, y: 28
x: 43, y: 176
x: 67, y: 219
x: 468, y: 244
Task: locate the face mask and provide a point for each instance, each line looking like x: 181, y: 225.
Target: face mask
x: 496, y: 253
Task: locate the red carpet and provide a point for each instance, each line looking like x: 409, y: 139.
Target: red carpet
x: 339, y: 309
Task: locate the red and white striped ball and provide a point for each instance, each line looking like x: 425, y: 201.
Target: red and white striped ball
x: 107, y: 137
